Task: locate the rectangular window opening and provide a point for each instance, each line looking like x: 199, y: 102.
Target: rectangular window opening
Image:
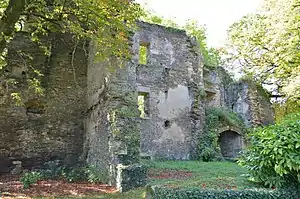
x: 143, y: 53
x: 143, y: 104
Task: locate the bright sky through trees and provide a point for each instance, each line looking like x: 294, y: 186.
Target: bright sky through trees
x: 218, y: 15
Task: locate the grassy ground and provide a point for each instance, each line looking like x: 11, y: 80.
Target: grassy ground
x: 206, y: 175
x: 214, y: 175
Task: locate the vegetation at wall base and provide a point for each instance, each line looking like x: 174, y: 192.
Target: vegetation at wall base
x: 72, y: 174
x: 216, y: 117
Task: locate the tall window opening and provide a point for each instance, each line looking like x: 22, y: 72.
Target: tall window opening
x: 143, y: 52
x: 143, y: 104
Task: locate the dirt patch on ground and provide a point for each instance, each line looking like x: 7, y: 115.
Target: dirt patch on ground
x: 11, y: 187
x: 169, y: 174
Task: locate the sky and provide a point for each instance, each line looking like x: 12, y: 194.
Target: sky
x: 216, y: 15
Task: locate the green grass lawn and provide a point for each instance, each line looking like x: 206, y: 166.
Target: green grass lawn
x: 216, y: 175
x: 211, y: 175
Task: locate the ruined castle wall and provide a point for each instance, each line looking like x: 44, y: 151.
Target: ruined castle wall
x: 112, y: 134
x: 216, y: 82
x: 251, y: 102
x: 49, y: 127
x: 167, y: 130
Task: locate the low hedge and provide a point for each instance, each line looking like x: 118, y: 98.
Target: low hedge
x: 197, y: 193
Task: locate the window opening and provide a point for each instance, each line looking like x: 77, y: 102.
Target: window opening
x: 167, y: 124
x: 143, y: 104
x: 143, y: 53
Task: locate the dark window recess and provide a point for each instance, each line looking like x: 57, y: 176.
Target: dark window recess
x: 167, y: 124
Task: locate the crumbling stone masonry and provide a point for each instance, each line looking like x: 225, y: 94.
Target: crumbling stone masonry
x: 152, y: 105
x: 172, y: 80
x: 169, y: 82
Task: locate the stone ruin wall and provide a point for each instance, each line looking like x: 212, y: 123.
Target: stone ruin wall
x: 49, y: 127
x: 244, y: 97
x: 172, y: 79
x: 74, y: 124
x: 248, y: 100
x: 251, y: 102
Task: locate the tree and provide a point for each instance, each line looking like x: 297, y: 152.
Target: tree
x: 267, y: 45
x: 107, y: 22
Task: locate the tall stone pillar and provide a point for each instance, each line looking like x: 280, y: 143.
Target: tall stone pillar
x: 197, y: 94
x: 112, y: 128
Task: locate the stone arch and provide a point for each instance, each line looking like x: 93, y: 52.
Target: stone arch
x: 230, y: 142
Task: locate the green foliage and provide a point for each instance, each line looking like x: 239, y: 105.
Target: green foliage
x: 197, y: 193
x: 216, y: 118
x: 80, y: 173
x: 266, y: 44
x: 211, y: 175
x: 74, y: 174
x: 274, y: 155
x: 93, y: 175
x: 53, y: 170
x: 30, y: 178
x: 132, y: 176
x: 143, y: 54
x: 284, y: 108
x: 207, y: 154
x: 127, y: 135
x: 108, y: 23
x: 211, y: 56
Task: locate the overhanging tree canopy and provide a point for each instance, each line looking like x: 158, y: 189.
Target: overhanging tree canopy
x: 107, y: 22
x: 267, y: 45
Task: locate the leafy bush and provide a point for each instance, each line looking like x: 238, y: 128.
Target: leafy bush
x: 93, y: 175
x: 197, y: 193
x: 52, y: 170
x: 207, y: 154
x: 274, y: 155
x: 73, y: 174
x: 82, y: 173
x: 30, y: 178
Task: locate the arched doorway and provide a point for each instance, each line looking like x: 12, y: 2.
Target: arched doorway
x: 231, y: 143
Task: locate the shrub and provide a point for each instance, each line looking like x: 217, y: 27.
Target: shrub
x: 197, y: 193
x: 30, y: 178
x: 52, y: 170
x: 93, y: 175
x: 274, y: 154
x: 73, y: 174
x: 82, y: 173
x: 207, y: 154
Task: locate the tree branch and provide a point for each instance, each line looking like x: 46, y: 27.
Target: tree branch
x: 10, y: 18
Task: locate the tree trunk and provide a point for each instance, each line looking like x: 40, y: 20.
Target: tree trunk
x: 10, y: 18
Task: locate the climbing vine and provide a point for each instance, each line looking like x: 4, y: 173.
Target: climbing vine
x: 124, y: 127
x: 216, y: 118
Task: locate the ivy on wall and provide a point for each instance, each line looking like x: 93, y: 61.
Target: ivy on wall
x: 124, y: 127
x: 216, y: 118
